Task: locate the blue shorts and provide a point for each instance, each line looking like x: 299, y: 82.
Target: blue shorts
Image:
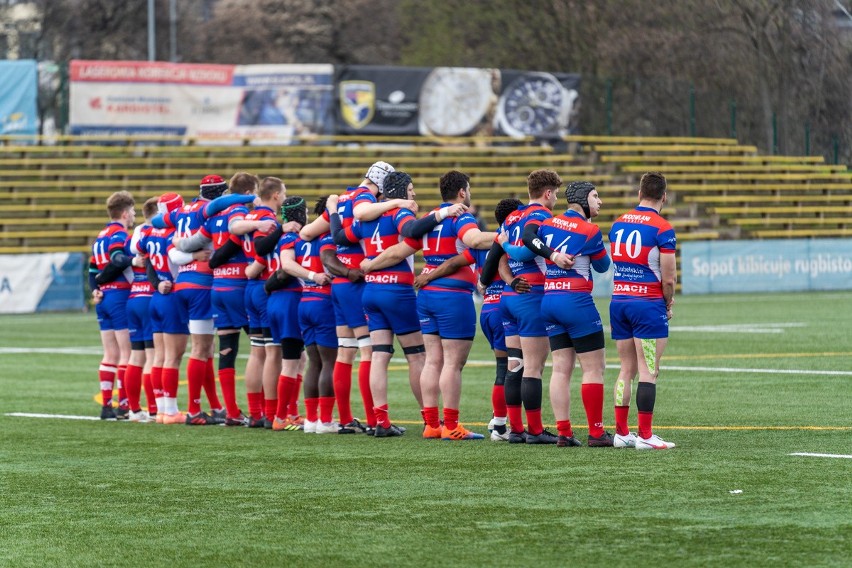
x: 164, y: 315
x: 316, y: 323
x: 391, y: 306
x: 139, y: 318
x: 255, y: 304
x: 491, y: 322
x: 194, y: 304
x: 348, y: 306
x: 572, y: 313
x: 229, y: 307
x: 282, y: 309
x: 523, y: 312
x: 112, y: 310
x: 643, y: 319
x: 451, y: 315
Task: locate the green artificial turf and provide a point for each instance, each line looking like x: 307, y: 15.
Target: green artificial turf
x: 80, y: 493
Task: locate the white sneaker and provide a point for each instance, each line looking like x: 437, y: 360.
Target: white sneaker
x: 142, y: 417
x: 327, y: 427
x: 498, y: 437
x: 626, y: 441
x: 311, y: 427
x: 653, y: 443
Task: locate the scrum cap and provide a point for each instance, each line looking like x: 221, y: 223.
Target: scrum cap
x: 378, y: 172
x: 212, y: 186
x: 168, y: 202
x: 294, y: 209
x: 578, y: 192
x: 396, y: 185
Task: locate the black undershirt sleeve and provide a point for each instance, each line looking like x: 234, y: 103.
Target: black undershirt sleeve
x: 416, y: 229
x: 492, y: 264
x: 338, y: 234
x: 224, y: 253
x: 265, y: 245
x: 118, y: 262
x: 535, y: 244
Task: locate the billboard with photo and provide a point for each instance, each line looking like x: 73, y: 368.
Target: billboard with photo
x: 267, y: 103
x: 18, y: 97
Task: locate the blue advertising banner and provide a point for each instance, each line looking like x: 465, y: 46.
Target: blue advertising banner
x: 41, y: 282
x: 788, y: 265
x: 18, y: 92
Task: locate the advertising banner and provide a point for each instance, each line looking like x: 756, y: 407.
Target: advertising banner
x: 789, y: 265
x: 268, y: 103
x: 41, y: 282
x: 18, y: 96
x: 455, y: 101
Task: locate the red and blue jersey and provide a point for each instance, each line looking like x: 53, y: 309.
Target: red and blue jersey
x: 444, y: 242
x: 112, y: 238
x: 531, y: 270
x: 140, y: 287
x: 350, y: 255
x: 156, y: 245
x: 308, y: 256
x: 380, y: 234
x: 494, y: 289
x: 288, y: 241
x: 636, y: 241
x: 271, y: 262
x: 195, y: 274
x: 215, y: 228
x: 570, y: 233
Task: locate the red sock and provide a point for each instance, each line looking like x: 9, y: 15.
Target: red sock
x: 150, y: 397
x: 516, y: 419
x: 645, y: 421
x: 564, y: 428
x: 286, y: 385
x: 133, y: 386
x: 106, y: 375
x: 311, y: 406
x: 271, y: 406
x: 381, y: 414
x: 210, y: 386
x: 255, y: 404
x: 430, y: 415
x: 170, y: 382
x: 498, y: 401
x: 534, y: 425
x: 326, y: 408
x: 196, y: 372
x: 593, y: 399
x: 293, y: 405
x: 157, y: 382
x: 451, y: 418
x: 229, y: 391
x: 122, y: 390
x: 342, y: 378
x: 621, y: 427
x: 366, y: 393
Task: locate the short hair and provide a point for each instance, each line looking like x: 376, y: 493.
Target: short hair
x: 269, y: 187
x: 118, y: 203
x: 652, y: 186
x: 451, y: 182
x: 243, y: 183
x: 319, y: 207
x: 150, y: 208
x: 540, y: 181
x: 505, y: 207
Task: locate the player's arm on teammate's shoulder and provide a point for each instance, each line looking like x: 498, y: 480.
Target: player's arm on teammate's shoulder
x: 668, y: 278
x: 335, y: 267
x: 368, y: 211
x: 243, y: 226
x: 293, y: 268
x: 389, y: 256
x: 533, y: 242
x: 265, y: 243
x: 474, y: 238
x: 225, y: 253
x: 197, y: 241
x: 492, y: 264
x: 446, y: 268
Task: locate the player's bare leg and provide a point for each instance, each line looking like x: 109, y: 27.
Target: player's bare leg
x: 414, y: 350
x: 535, y: 350
x: 560, y: 391
x: 174, y: 348
x: 382, y: 341
x: 648, y: 355
x: 254, y: 379
x: 455, y: 352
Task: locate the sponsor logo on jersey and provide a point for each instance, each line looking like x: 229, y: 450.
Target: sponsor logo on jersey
x: 632, y: 288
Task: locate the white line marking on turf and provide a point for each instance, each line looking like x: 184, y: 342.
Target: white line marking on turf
x: 53, y: 350
x: 739, y: 327
x: 849, y: 457
x: 64, y: 416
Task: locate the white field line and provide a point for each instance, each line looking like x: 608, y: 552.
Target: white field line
x: 63, y: 416
x: 848, y: 457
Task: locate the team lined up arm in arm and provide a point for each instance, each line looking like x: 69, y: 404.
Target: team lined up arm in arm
x: 336, y: 268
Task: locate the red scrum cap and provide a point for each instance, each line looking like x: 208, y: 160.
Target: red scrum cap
x: 212, y: 186
x: 169, y: 202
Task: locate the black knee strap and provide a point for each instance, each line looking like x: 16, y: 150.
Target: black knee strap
x: 514, y: 352
x: 383, y: 348
x: 229, y: 345
x: 414, y: 349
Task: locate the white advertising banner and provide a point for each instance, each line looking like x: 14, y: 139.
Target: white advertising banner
x: 40, y: 282
x: 268, y: 103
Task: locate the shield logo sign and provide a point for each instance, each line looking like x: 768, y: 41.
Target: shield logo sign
x: 357, y: 102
